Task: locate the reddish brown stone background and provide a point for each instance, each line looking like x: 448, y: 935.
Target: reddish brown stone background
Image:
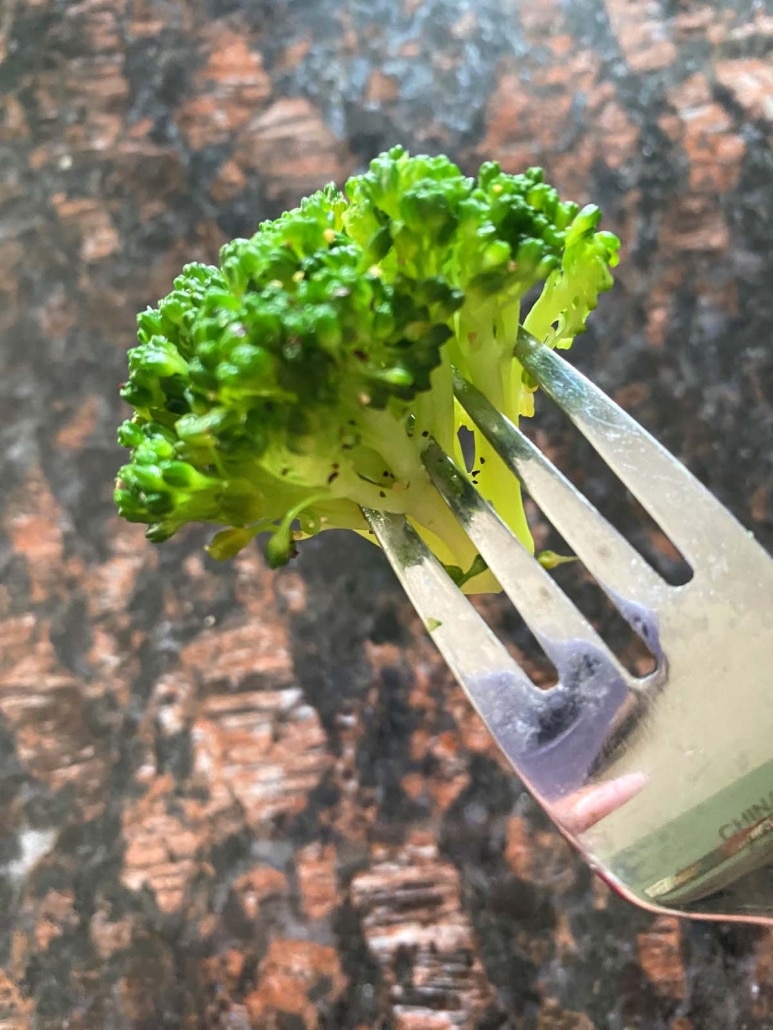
x: 233, y: 798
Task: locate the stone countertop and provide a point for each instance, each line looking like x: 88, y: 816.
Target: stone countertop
x: 236, y: 798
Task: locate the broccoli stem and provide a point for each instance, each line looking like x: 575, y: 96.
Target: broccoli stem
x: 489, y: 330
x: 497, y: 484
x: 408, y: 490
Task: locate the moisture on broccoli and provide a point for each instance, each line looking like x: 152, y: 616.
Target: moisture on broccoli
x: 302, y: 379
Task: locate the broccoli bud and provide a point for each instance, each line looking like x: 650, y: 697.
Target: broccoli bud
x: 302, y: 379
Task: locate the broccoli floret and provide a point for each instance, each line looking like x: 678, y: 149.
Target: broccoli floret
x: 303, y: 379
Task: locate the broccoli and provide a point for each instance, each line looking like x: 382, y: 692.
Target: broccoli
x: 301, y: 380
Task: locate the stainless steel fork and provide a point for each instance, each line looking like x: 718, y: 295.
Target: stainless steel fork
x: 664, y: 784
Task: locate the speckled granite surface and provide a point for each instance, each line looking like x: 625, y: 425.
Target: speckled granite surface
x: 231, y: 798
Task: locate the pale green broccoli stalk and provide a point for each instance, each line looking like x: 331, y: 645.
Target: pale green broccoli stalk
x: 302, y: 379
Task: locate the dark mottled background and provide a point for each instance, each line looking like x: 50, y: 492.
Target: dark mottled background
x: 233, y: 798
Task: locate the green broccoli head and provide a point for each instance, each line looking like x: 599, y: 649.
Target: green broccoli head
x: 301, y: 379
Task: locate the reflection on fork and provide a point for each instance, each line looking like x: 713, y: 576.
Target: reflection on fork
x: 584, y: 808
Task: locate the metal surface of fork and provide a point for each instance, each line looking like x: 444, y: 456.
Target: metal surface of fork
x: 665, y: 784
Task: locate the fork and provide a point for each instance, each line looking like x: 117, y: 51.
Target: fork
x: 663, y: 783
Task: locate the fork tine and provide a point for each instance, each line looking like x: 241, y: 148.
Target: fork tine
x: 499, y: 689
x: 545, y: 608
x: 603, y: 551
x: 468, y: 644
x: 661, y: 484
